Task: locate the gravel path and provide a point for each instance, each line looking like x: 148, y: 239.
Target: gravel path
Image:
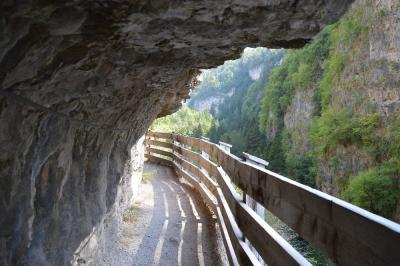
x: 168, y: 224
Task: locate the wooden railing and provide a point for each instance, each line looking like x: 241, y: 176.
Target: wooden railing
x: 348, y: 235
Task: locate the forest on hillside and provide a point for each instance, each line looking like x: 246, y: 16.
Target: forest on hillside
x: 314, y: 113
x: 186, y: 121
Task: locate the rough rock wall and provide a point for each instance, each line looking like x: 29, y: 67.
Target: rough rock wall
x: 59, y: 182
x: 206, y: 104
x: 369, y: 82
x: 215, y: 100
x: 80, y: 83
x: 297, y: 120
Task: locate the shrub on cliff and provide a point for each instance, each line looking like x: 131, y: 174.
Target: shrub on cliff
x: 374, y: 191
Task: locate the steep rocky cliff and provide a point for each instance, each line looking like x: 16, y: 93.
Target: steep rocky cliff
x: 368, y: 87
x: 80, y: 83
x: 331, y: 112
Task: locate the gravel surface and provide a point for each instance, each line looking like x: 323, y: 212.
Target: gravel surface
x: 168, y: 224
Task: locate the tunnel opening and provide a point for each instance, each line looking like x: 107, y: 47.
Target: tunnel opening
x: 82, y: 82
x: 227, y: 100
x: 295, y: 120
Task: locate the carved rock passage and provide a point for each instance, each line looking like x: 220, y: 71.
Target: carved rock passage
x: 80, y: 83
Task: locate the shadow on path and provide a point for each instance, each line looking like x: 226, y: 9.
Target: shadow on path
x: 181, y: 230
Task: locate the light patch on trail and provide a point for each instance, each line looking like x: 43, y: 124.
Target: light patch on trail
x: 200, y: 253
x: 178, y: 199
x: 195, y: 213
x: 157, y: 253
x: 181, y: 243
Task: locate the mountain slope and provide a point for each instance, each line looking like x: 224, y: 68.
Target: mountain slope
x: 232, y: 93
x: 330, y: 112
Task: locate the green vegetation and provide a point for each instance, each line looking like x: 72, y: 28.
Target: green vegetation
x: 300, y: 70
x: 377, y: 189
x: 332, y: 125
x: 186, y: 121
x: 130, y: 215
x: 373, y: 190
x: 341, y: 127
x: 236, y: 118
x: 344, y: 37
x: 146, y: 176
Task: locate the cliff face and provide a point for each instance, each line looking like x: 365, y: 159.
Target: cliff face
x: 369, y: 83
x: 80, y: 83
x: 61, y: 184
x: 297, y: 120
x: 352, y: 105
x: 207, y: 103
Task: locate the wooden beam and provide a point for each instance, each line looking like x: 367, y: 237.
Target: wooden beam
x: 159, y: 143
x: 197, y: 185
x: 230, y: 251
x: 197, y: 158
x: 269, y: 244
x: 242, y: 251
x: 204, y: 177
x: 161, y: 152
x: 277, y: 251
x: 161, y: 135
x: 158, y: 160
x: 225, y: 236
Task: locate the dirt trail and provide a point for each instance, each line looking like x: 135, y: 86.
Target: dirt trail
x: 168, y: 224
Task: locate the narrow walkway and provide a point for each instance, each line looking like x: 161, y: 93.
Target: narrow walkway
x: 168, y: 224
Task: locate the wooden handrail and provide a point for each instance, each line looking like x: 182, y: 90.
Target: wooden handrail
x: 345, y: 233
x: 161, y: 135
x: 160, y: 152
x: 158, y: 143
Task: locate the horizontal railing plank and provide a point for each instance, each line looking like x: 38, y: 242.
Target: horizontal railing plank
x: 346, y: 233
x: 197, y: 185
x: 160, y: 152
x: 230, y: 251
x: 270, y: 245
x: 197, y: 158
x: 226, y: 239
x: 159, y: 143
x: 205, y: 178
x: 244, y: 255
x: 273, y: 248
x: 161, y: 135
x: 158, y: 160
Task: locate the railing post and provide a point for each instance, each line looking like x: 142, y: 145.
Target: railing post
x: 254, y: 205
x: 225, y: 146
x: 174, y: 142
x: 146, y: 144
x: 204, y: 154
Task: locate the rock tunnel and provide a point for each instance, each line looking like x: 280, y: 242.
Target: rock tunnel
x: 81, y: 81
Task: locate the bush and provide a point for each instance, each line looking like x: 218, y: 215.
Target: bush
x: 331, y: 129
x: 341, y: 127
x: 334, y: 66
x: 373, y: 191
